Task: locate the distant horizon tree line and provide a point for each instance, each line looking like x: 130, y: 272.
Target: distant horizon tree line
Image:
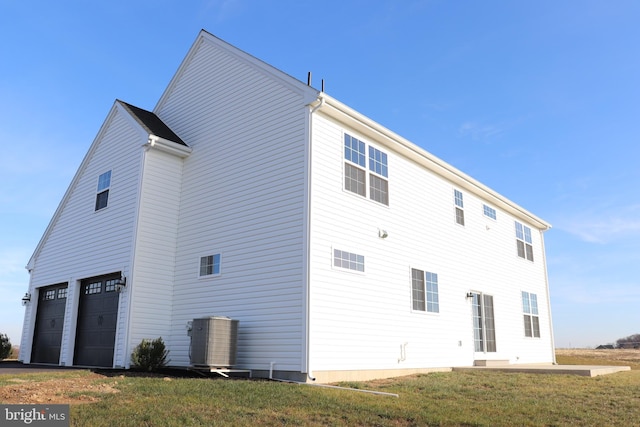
x: 632, y: 341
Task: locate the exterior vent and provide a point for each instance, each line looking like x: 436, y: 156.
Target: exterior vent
x: 214, y: 342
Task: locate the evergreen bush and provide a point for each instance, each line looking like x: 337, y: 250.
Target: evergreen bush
x: 150, y: 355
x: 5, y: 346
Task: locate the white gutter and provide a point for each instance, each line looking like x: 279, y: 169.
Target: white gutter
x: 168, y: 146
x: 395, y: 142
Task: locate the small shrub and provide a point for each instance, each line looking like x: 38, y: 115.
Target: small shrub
x: 150, y: 355
x: 5, y: 346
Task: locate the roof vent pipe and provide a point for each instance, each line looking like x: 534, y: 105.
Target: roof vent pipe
x: 309, y: 78
x: 322, y: 85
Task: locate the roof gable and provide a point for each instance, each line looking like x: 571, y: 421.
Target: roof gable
x: 152, y: 123
x: 309, y: 93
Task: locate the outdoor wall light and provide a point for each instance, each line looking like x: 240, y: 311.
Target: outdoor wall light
x: 26, y: 298
x: 383, y: 234
x: 121, y: 283
x: 469, y: 294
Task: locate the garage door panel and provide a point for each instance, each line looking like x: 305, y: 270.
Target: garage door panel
x: 97, y: 319
x: 47, y: 336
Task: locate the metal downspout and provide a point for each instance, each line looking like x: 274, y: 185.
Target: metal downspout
x: 308, y: 248
x: 546, y: 281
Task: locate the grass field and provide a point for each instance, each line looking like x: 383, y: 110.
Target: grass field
x: 479, y: 398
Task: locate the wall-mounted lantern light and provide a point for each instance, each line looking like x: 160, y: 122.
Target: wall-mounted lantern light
x: 121, y: 283
x: 26, y: 298
x: 469, y: 294
x: 383, y: 234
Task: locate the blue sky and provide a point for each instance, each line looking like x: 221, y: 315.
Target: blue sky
x: 538, y: 100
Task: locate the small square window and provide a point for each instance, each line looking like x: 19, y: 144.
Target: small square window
x: 489, y: 212
x: 210, y: 265
x: 93, y: 288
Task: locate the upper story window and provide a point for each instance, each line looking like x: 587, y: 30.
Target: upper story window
x: 348, y: 260
x: 459, y: 202
x: 489, y: 211
x: 523, y: 241
x: 355, y: 170
x: 210, y: 265
x: 531, y: 318
x: 424, y: 291
x: 102, y: 196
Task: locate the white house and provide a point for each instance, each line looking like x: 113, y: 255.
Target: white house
x: 343, y: 250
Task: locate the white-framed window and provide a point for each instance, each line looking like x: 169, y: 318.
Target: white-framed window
x: 348, y: 260
x: 102, y: 193
x: 489, y: 212
x: 356, y: 171
x: 424, y: 291
x: 210, y: 265
x: 530, y: 313
x: 459, y: 206
x: 523, y: 241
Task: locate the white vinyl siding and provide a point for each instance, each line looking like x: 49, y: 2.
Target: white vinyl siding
x: 420, y: 227
x: 68, y: 252
x: 238, y: 119
x: 152, y: 285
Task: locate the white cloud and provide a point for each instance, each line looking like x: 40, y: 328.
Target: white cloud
x: 479, y: 131
x: 604, y: 226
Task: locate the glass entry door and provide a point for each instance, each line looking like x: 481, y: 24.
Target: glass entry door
x: 484, y: 330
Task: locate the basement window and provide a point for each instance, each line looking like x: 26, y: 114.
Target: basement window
x: 348, y: 260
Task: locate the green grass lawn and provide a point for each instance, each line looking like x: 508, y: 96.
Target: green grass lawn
x: 457, y: 398
x: 478, y: 398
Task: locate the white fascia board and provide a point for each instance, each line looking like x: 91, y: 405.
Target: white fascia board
x: 350, y: 117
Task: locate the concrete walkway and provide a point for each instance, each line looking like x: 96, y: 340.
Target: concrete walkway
x: 582, y: 370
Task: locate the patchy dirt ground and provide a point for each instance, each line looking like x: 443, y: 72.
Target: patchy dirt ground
x: 85, y: 389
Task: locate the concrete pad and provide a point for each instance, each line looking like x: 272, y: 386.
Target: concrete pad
x: 582, y: 370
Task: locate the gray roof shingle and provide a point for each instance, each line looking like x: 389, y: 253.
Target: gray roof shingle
x: 152, y: 123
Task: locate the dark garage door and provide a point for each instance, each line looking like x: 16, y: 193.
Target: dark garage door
x: 47, y: 336
x: 97, y: 316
